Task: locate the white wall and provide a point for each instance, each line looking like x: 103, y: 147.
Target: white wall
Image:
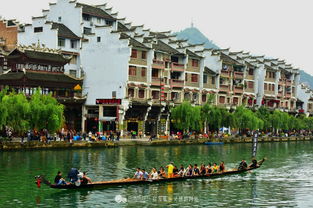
x: 303, y: 96
x: 105, y: 65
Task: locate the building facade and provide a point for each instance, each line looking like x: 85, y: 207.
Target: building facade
x: 133, y: 76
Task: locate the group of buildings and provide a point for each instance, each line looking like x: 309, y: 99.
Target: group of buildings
x: 112, y: 75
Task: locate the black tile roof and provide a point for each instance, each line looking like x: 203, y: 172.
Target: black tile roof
x: 192, y: 54
x: 228, y: 60
x: 133, y: 42
x: 94, y: 11
x: 64, y: 31
x: 208, y: 70
x: 49, y: 77
x: 54, y: 57
x: 161, y: 46
x: 122, y: 28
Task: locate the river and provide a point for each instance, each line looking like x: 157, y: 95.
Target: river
x: 285, y: 179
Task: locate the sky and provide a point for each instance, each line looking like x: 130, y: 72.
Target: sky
x: 276, y: 28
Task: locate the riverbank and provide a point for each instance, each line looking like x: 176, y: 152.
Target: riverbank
x: 33, y: 145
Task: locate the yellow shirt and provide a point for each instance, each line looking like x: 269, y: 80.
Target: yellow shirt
x: 170, y: 168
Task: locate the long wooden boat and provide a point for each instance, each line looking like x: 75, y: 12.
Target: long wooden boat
x: 213, y: 143
x: 130, y: 181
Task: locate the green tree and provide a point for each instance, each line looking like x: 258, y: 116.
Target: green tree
x: 183, y: 116
x: 18, y: 111
x: 246, y: 119
x: 3, y: 109
x: 46, y: 112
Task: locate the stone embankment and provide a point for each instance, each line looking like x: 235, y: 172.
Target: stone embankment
x: 33, y: 145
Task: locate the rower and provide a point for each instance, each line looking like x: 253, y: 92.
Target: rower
x: 189, y: 170
x: 161, y: 172
x: 85, y: 179
x: 202, y: 169
x: 209, y: 169
x: 254, y: 164
x: 73, y: 175
x: 222, y: 167
x: 181, y: 170
x: 243, y: 165
x: 154, y: 174
x: 138, y: 174
x: 144, y: 175
x: 170, y: 169
x: 59, y: 180
x: 196, y: 170
x: 215, y: 168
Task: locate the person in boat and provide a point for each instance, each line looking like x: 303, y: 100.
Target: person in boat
x: 243, y: 165
x: 215, y: 168
x: 175, y: 170
x: 209, y: 169
x: 144, y: 175
x: 202, y: 169
x: 138, y: 174
x: 59, y: 180
x: 85, y: 179
x: 181, y: 171
x: 189, y: 170
x: 154, y: 174
x: 196, y: 170
x: 222, y: 167
x: 73, y: 175
x: 161, y: 172
x: 254, y: 164
x: 170, y: 169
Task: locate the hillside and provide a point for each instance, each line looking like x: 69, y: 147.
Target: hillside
x: 194, y: 36
x: 306, y: 78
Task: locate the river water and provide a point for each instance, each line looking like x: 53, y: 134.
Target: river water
x: 285, y: 179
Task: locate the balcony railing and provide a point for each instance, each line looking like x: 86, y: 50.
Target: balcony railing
x: 157, y: 81
x: 176, y: 83
x: 177, y: 67
x: 157, y: 64
x: 288, y: 95
x: 225, y: 73
x: 238, y: 89
x: 238, y: 75
x: 224, y: 88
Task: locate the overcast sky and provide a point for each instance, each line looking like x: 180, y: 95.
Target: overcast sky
x: 275, y: 28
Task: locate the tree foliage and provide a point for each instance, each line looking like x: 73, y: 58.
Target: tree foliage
x: 38, y: 112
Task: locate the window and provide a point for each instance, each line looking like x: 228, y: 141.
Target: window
x: 61, y: 42
x: 131, y: 92
x: 98, y: 39
x: 155, y: 94
x: 251, y: 71
x: 250, y: 85
x: 174, y: 95
x: 86, y: 17
x: 164, y: 97
x: 194, y: 77
x: 109, y: 22
x: 195, y: 62
x: 213, y: 80
x: 132, y: 71
x: 273, y: 87
x: 265, y: 86
x: 73, y: 43
x: 144, y: 55
x: 155, y: 73
x: 204, y: 98
x: 73, y: 72
x: 143, y: 72
x: 141, y: 93
x: 221, y: 99
x: 134, y: 53
x: 235, y: 101
x: 186, y: 77
x: 87, y: 30
x: 38, y: 29
x: 73, y: 59
x: 205, y: 78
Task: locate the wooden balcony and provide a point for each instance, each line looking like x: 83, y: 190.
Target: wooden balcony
x: 238, y: 75
x: 157, y: 81
x: 177, y: 67
x: 192, y: 84
x: 224, y: 88
x: 138, y: 78
x: 209, y: 86
x: 176, y: 83
x: 225, y: 73
x: 250, y: 77
x: 249, y: 90
x: 138, y: 61
x: 157, y: 64
x: 238, y: 89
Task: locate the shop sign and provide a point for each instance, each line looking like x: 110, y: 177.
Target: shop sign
x: 39, y: 67
x: 109, y: 101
